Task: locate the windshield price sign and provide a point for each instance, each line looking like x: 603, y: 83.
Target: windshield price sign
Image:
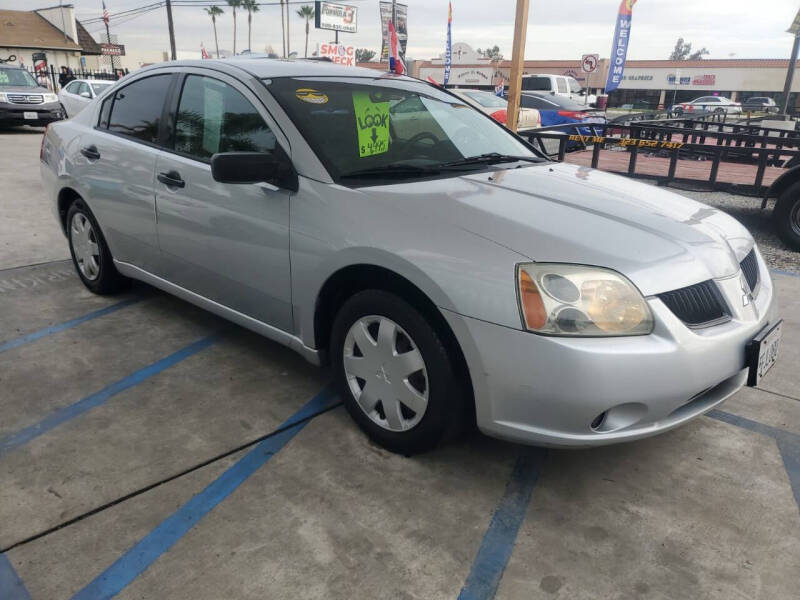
x: 338, y: 17
x: 372, y: 121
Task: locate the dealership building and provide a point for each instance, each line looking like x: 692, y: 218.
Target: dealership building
x: 646, y: 83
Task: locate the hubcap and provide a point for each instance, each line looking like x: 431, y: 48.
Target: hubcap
x: 794, y: 217
x: 84, y: 246
x: 386, y: 373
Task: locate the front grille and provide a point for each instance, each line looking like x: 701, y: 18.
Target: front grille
x: 25, y: 98
x: 749, y: 266
x: 698, y: 305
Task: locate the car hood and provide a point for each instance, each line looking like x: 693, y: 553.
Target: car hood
x: 557, y: 212
x: 21, y: 89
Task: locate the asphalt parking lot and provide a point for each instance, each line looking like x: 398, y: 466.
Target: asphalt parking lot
x: 151, y: 450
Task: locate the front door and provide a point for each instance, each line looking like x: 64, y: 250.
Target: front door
x: 226, y: 242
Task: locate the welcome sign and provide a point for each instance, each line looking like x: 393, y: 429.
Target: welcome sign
x: 619, y: 51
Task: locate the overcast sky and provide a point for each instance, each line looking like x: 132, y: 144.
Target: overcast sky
x: 562, y: 29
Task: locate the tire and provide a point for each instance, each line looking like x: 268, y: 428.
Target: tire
x: 787, y: 216
x: 678, y: 111
x: 401, y: 429
x: 90, y: 254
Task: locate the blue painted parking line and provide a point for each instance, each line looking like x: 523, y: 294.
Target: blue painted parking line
x: 788, y: 444
x: 134, y: 562
x: 61, y: 416
x: 31, y: 337
x: 11, y: 586
x: 498, y: 542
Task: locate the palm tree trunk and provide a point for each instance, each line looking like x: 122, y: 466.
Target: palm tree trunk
x: 234, y: 31
x: 306, y: 37
x: 283, y: 31
x: 249, y: 30
x: 288, y: 14
x: 216, y: 43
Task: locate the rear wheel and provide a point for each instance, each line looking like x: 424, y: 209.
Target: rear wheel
x: 90, y: 253
x: 394, y: 373
x: 787, y: 216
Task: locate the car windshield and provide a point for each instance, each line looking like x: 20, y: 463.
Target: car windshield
x: 99, y: 87
x: 486, y: 99
x: 392, y: 127
x: 16, y: 78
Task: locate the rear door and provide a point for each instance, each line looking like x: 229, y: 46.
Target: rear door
x: 226, y: 242
x: 69, y: 98
x: 116, y: 162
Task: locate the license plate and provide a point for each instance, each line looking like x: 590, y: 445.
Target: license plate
x: 30, y: 115
x: 762, y: 353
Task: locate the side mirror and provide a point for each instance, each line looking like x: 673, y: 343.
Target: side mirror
x: 552, y: 92
x: 85, y: 95
x: 254, y: 167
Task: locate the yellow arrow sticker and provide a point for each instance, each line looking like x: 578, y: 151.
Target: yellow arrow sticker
x: 372, y: 122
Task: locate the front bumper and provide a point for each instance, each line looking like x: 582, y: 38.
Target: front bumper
x: 14, y: 114
x: 552, y: 390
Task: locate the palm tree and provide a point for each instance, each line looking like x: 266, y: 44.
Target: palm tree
x: 250, y: 6
x: 234, y: 4
x: 214, y: 12
x: 306, y: 12
x: 283, y: 28
x: 288, y: 50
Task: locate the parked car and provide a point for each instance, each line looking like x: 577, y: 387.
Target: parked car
x: 557, y: 110
x: 497, y: 108
x: 444, y: 269
x: 25, y: 102
x: 760, y: 104
x: 79, y: 92
x: 557, y: 85
x: 718, y: 104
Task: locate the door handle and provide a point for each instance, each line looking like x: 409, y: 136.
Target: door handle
x: 90, y: 152
x: 171, y: 179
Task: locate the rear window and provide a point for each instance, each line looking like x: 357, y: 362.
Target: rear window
x: 537, y: 84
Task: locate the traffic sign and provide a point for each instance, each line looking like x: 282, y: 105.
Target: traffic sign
x: 589, y: 62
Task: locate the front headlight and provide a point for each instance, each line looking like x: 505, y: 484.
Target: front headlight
x: 3, y: 97
x: 50, y: 98
x: 576, y: 300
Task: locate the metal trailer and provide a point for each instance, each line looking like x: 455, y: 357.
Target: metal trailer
x: 698, y: 154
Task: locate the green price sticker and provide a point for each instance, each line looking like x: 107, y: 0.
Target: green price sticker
x: 3, y: 77
x: 372, y: 121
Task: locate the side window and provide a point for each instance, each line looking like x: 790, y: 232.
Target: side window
x: 562, y: 85
x: 105, y: 110
x: 72, y: 87
x: 214, y: 117
x: 137, y: 108
x: 82, y: 87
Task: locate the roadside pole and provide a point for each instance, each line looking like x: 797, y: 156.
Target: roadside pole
x: 108, y: 38
x: 787, y: 88
x: 171, y: 31
x: 517, y: 60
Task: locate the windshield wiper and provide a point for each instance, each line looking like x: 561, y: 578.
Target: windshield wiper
x: 391, y: 171
x: 490, y: 158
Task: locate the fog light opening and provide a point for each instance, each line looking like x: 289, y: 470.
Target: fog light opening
x: 598, y: 421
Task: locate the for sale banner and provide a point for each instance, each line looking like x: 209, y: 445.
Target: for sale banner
x: 619, y: 51
x: 448, y: 50
x: 401, y: 27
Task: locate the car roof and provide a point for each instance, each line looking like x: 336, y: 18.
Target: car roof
x: 265, y: 68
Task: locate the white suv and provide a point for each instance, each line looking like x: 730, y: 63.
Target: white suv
x: 558, y: 85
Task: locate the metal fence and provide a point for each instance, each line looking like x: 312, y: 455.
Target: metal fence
x: 49, y: 77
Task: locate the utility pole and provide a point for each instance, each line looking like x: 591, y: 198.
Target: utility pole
x: 517, y: 60
x: 171, y: 31
x: 108, y: 39
x: 787, y: 88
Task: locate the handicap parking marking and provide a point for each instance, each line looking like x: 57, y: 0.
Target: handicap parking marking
x: 498, y: 542
x: 788, y: 444
x: 144, y: 553
x: 11, y: 586
x: 32, y: 337
x: 14, y: 440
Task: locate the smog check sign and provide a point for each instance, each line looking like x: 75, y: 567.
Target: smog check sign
x: 372, y: 122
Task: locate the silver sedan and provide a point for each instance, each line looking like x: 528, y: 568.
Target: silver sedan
x: 445, y: 270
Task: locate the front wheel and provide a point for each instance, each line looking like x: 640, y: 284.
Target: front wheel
x: 90, y: 253
x: 787, y: 216
x: 394, y: 373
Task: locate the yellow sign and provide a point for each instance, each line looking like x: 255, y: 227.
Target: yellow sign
x: 372, y: 122
x: 311, y: 96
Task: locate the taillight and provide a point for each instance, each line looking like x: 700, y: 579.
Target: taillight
x: 572, y: 114
x: 501, y: 116
x: 41, y: 147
